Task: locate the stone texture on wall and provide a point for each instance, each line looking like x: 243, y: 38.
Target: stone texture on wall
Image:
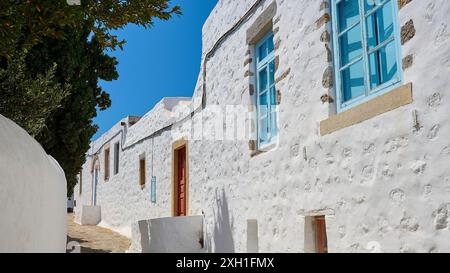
x: 408, y: 31
x: 402, y: 3
x: 381, y: 181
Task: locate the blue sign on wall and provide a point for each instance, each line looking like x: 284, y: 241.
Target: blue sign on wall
x: 153, y: 192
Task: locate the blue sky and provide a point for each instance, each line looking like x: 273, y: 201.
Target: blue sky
x: 163, y: 61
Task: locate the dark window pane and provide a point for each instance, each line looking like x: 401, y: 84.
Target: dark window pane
x: 263, y: 105
x: 262, y: 51
x: 272, y: 73
x: 262, y: 75
x: 353, y: 81
x: 270, y: 45
x: 383, y: 65
x: 348, y: 13
x: 380, y: 25
x: 351, y: 45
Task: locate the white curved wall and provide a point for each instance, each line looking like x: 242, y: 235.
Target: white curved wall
x: 32, y: 194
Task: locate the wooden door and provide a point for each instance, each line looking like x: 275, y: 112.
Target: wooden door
x: 321, y: 235
x: 181, y: 183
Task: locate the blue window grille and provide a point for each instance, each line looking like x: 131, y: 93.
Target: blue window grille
x: 266, y: 92
x: 367, y: 55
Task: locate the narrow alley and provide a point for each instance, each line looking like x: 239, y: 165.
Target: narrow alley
x: 93, y: 239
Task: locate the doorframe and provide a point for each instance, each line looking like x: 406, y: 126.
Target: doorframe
x: 176, y: 146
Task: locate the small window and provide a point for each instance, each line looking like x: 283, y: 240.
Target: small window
x: 116, y: 158
x: 142, y: 167
x: 107, y: 164
x: 81, y: 182
x: 266, y: 96
x: 366, y: 50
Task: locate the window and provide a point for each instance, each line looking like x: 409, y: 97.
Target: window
x: 142, y: 171
x: 116, y: 158
x: 81, y: 182
x: 366, y: 50
x: 107, y: 164
x: 266, y: 96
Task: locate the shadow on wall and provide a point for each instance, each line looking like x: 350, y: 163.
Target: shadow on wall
x: 222, y: 235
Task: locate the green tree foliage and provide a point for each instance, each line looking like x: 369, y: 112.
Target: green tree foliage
x: 52, y: 56
x: 82, y: 63
x: 29, y: 22
x: 40, y: 95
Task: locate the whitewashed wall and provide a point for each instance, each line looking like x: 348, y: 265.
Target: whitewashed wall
x: 379, y: 182
x: 33, y: 195
x: 121, y: 198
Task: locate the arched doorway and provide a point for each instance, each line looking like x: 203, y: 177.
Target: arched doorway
x: 95, y: 175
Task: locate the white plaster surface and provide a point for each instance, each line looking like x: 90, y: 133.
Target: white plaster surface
x: 33, y: 194
x: 171, y: 235
x: 90, y: 215
x: 380, y: 183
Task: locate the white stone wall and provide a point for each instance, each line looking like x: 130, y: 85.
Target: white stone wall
x: 380, y: 183
x: 33, y: 195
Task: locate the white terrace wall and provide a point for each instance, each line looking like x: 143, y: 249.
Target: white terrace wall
x: 121, y: 198
x: 33, y: 195
x: 384, y: 182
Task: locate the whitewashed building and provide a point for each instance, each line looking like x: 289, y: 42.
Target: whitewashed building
x: 315, y: 126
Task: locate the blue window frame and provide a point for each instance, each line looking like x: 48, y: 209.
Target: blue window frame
x: 266, y: 92
x: 366, y: 43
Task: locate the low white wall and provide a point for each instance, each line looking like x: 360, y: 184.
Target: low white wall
x: 70, y: 203
x: 33, y: 193
x: 172, y: 235
x: 90, y: 216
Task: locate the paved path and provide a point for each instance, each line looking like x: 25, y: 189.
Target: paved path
x: 93, y: 239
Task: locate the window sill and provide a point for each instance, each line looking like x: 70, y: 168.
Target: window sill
x: 392, y: 100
